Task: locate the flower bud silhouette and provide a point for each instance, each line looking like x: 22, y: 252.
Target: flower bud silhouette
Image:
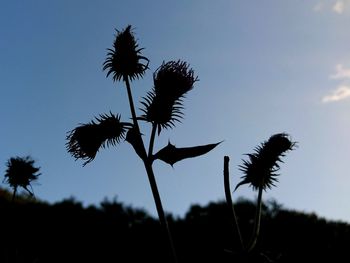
x: 260, y: 170
x: 125, y: 59
x: 163, y: 105
x: 21, y: 172
x: 85, y: 140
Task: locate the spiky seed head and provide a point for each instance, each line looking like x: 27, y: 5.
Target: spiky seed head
x: 174, y: 79
x: 261, y: 167
x: 21, y: 172
x: 85, y: 140
x: 164, y: 104
x: 124, y: 60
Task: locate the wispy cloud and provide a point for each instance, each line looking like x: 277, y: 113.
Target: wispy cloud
x: 341, y: 93
x: 336, y: 6
x: 339, y: 6
x: 341, y: 72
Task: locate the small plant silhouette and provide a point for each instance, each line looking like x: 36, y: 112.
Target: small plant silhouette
x: 21, y: 172
x: 162, y: 108
x: 260, y: 173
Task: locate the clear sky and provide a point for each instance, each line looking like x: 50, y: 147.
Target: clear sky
x: 264, y: 67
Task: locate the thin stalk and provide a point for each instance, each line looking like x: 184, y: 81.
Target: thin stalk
x: 152, y: 180
x: 131, y: 103
x: 14, y: 195
x: 151, y: 141
x: 160, y: 210
x: 229, y: 199
x: 14, y: 216
x: 257, y: 220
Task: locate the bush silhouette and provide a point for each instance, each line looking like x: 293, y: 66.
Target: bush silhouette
x: 68, y: 232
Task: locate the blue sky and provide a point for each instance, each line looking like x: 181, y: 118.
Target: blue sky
x: 264, y: 67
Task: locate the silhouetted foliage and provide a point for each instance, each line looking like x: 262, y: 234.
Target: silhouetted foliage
x: 124, y: 60
x: 162, y: 108
x: 260, y: 170
x: 68, y: 232
x: 85, y: 140
x: 260, y: 173
x: 21, y: 172
x: 170, y: 154
x: 163, y: 105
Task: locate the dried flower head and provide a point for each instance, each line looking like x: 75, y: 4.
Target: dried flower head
x: 125, y: 59
x: 163, y: 105
x: 260, y: 170
x: 85, y: 140
x: 21, y: 172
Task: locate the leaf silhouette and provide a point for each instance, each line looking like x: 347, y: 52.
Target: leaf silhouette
x: 170, y: 154
x: 133, y: 137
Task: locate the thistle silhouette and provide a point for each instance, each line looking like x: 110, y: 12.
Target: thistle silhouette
x: 260, y: 173
x: 162, y: 108
x: 21, y: 172
x: 87, y: 139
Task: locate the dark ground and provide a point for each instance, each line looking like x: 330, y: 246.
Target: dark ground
x: 67, y: 232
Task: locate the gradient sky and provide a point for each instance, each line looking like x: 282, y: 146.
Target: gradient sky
x: 264, y: 67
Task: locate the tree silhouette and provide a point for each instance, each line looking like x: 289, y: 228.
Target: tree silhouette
x: 162, y: 108
x: 66, y: 231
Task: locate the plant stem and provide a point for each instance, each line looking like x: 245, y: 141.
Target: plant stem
x: 14, y: 194
x: 229, y: 199
x: 256, y: 221
x: 131, y: 103
x: 148, y: 166
x: 159, y: 207
x: 151, y: 141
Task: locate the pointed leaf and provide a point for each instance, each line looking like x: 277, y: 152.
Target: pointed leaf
x: 245, y: 181
x: 133, y: 137
x: 170, y: 154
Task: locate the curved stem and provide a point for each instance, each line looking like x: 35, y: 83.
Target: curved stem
x: 229, y: 199
x: 256, y: 221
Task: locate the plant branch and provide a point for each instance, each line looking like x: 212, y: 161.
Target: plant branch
x: 257, y: 220
x: 229, y: 199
